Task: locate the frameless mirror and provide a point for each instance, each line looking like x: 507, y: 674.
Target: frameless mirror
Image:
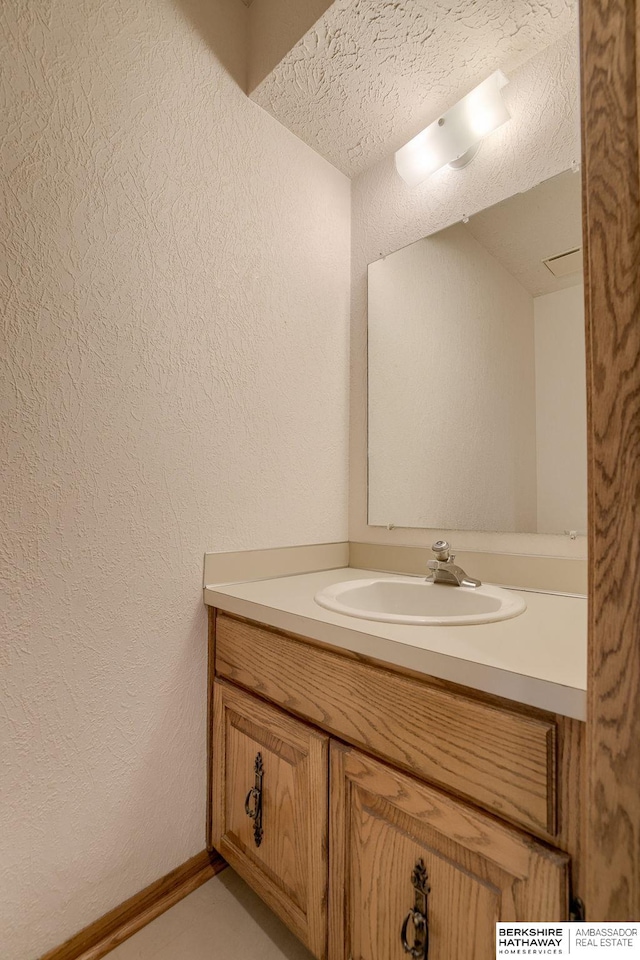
x: 477, y: 393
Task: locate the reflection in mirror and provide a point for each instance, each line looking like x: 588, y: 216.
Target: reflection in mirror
x: 477, y: 395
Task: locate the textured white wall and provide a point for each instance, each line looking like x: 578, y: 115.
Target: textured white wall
x: 452, y: 410
x: 174, y: 280
x: 541, y: 140
x: 561, y: 410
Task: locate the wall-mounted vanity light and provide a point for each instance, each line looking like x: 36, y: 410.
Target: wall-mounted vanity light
x: 456, y: 136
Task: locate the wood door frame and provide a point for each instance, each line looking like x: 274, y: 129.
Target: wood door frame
x: 609, y: 39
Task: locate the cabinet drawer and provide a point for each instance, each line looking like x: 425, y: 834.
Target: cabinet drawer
x: 503, y: 760
x: 270, y: 788
x: 393, y: 837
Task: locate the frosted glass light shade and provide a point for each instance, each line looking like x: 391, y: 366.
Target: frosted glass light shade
x: 455, y: 132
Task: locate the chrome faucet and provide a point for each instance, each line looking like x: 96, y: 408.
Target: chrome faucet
x: 444, y: 570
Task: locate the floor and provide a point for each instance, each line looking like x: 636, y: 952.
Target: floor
x: 221, y: 920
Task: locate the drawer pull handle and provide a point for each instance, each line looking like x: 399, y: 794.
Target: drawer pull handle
x: 417, y: 916
x: 253, y: 803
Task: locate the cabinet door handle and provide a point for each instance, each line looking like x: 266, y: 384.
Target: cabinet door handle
x: 253, y: 802
x: 417, y: 916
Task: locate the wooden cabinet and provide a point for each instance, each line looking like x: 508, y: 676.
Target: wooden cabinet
x: 270, y: 808
x: 410, y: 863
x: 502, y: 758
x: 428, y: 786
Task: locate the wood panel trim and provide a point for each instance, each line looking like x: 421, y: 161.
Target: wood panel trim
x: 105, y: 934
x: 339, y: 878
x: 211, y: 660
x: 610, y: 41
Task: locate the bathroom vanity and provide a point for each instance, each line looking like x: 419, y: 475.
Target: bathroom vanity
x: 379, y: 809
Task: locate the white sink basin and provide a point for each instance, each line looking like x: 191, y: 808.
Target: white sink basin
x: 412, y: 600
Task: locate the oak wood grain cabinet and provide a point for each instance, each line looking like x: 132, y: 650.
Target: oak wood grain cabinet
x: 415, y: 872
x: 446, y: 809
x: 270, y: 808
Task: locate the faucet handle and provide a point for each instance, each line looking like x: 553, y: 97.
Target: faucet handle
x: 441, y: 549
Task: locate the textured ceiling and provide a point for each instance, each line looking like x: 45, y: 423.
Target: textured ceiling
x: 525, y: 229
x: 370, y: 74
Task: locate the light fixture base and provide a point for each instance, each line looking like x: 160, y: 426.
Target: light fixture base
x: 467, y: 157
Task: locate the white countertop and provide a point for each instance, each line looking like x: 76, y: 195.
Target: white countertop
x: 538, y: 658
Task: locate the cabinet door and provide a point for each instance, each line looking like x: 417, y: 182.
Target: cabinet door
x: 401, y: 851
x: 270, y: 799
